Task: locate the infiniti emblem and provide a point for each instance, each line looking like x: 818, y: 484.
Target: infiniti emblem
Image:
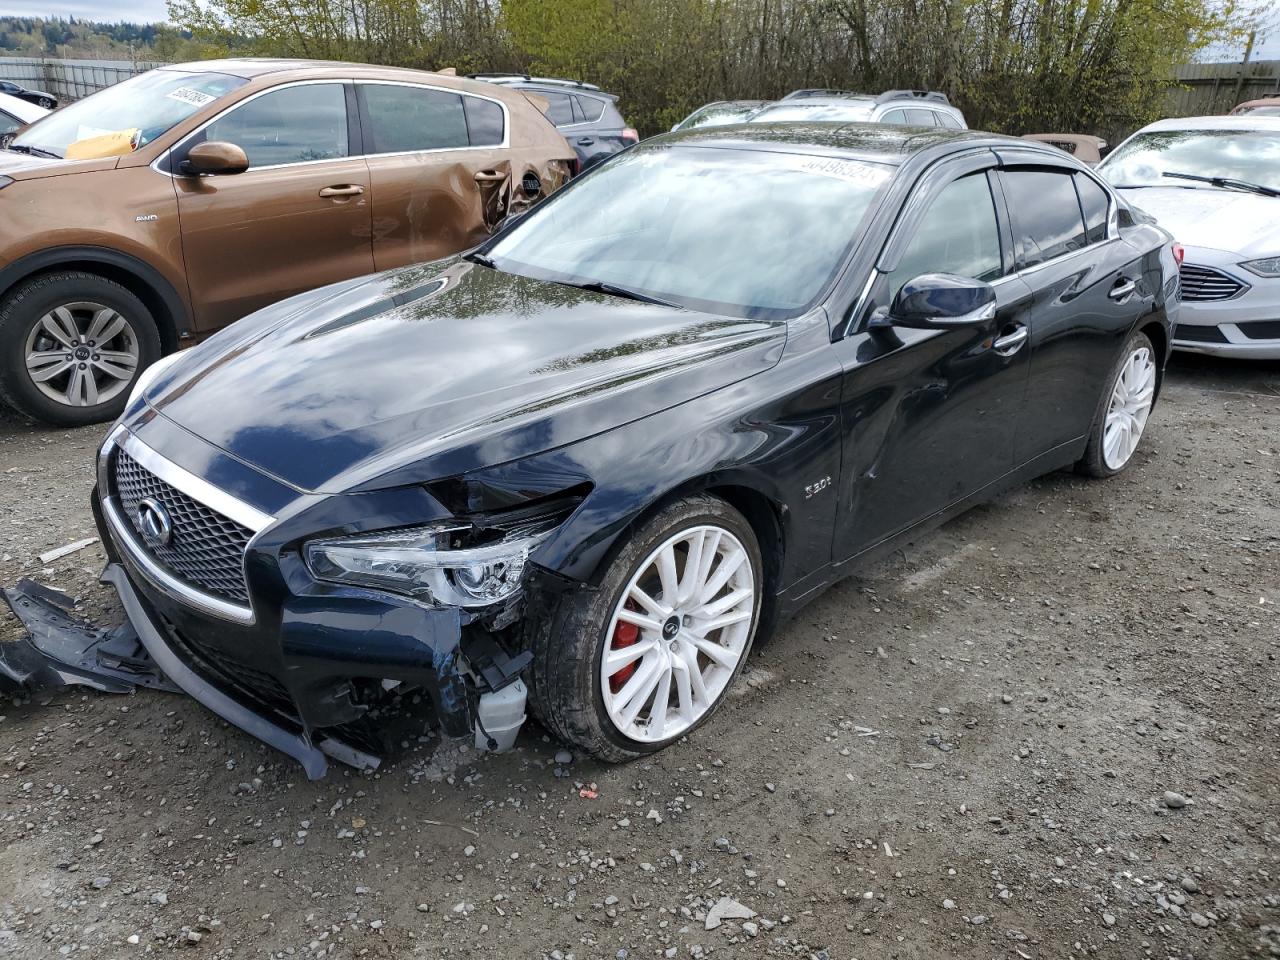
x: 154, y: 522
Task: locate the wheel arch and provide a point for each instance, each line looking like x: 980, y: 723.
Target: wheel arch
x: 138, y: 277
x: 1156, y: 329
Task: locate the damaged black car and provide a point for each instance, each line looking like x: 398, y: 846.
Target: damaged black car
x: 580, y: 469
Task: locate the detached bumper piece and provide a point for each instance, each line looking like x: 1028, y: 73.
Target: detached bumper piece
x: 290, y: 740
x: 62, y: 650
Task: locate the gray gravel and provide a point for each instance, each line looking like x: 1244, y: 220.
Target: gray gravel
x: 969, y: 751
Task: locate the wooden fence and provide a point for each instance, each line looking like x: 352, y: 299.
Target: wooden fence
x: 1205, y: 89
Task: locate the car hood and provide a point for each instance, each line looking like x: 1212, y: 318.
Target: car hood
x: 1228, y: 220
x: 22, y: 166
x: 444, y: 367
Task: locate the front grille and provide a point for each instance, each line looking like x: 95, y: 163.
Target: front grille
x: 206, y: 549
x: 1261, y: 329
x: 1187, y: 332
x: 1205, y: 284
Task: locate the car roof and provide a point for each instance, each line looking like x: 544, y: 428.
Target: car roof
x: 253, y: 68
x: 825, y: 101
x: 877, y: 142
x: 24, y: 111
x: 1243, y: 121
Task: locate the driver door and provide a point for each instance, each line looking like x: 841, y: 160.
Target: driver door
x: 929, y: 416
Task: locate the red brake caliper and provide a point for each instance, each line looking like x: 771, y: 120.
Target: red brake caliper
x: 624, y: 635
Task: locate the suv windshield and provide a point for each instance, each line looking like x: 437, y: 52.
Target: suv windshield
x: 1251, y: 155
x: 150, y: 103
x: 743, y: 233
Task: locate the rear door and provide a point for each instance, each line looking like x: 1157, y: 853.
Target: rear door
x: 298, y: 218
x: 930, y: 415
x: 1088, y: 291
x: 440, y: 166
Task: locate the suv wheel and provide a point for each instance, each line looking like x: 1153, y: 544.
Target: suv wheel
x: 71, y: 346
x: 648, y: 657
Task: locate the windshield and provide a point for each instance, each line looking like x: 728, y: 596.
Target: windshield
x: 1252, y: 155
x: 149, y: 103
x: 718, y: 114
x: 852, y: 111
x: 743, y: 233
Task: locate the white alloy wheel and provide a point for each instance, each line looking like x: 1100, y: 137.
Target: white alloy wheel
x: 678, y: 634
x: 1130, y: 405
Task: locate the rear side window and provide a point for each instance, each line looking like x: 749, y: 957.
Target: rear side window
x: 895, y: 116
x: 1096, y: 205
x: 560, y: 109
x: 947, y: 120
x: 1045, y: 213
x: 592, y: 109
x: 402, y: 119
x: 484, y: 122
x: 291, y: 125
x: 957, y: 234
x: 920, y: 118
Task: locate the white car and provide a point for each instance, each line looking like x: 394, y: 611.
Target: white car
x: 1214, y: 183
x: 16, y: 114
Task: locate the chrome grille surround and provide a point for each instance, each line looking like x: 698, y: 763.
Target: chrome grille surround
x: 204, y: 569
x: 1208, y: 284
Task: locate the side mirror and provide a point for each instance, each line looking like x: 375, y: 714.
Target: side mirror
x: 937, y: 301
x: 215, y: 157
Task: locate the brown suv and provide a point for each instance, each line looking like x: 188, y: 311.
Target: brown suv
x: 154, y: 212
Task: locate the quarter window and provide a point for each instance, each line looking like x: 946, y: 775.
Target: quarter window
x: 484, y: 122
x: 289, y: 125
x: 895, y: 116
x: 405, y: 119
x: 1096, y: 206
x: 592, y: 109
x: 560, y: 108
x: 957, y: 234
x: 947, y: 120
x: 920, y: 118
x: 1046, y: 216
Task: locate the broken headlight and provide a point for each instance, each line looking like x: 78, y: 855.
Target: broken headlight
x: 453, y: 565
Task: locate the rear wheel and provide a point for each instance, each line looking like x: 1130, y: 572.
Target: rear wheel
x: 1123, y: 410
x: 625, y: 670
x: 71, y: 346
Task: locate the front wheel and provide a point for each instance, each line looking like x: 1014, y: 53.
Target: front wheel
x: 1123, y: 410
x: 624, y: 670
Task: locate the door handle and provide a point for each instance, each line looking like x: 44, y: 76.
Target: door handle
x: 586, y: 141
x: 490, y: 176
x: 1011, y: 342
x: 345, y: 190
x: 1124, y: 286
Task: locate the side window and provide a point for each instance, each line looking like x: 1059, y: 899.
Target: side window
x: 592, y: 109
x: 1096, y: 205
x: 290, y: 125
x: 484, y: 122
x: 947, y: 120
x: 401, y: 119
x: 560, y: 111
x: 895, y: 116
x: 1045, y: 214
x: 8, y: 123
x: 920, y: 118
x: 958, y: 234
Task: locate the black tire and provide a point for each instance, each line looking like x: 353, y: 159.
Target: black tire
x: 21, y: 311
x: 47, y: 103
x: 1093, y: 463
x: 565, y: 693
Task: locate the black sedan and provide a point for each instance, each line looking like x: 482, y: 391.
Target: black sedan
x: 597, y: 457
x: 38, y: 97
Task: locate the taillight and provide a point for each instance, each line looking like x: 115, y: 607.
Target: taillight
x: 1178, y: 254
x: 630, y: 135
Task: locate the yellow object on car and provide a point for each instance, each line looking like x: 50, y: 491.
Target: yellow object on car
x: 118, y: 143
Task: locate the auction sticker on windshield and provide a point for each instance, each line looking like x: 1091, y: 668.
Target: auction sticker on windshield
x: 193, y: 97
x: 851, y: 171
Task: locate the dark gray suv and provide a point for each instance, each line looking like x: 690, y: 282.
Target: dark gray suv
x: 584, y: 114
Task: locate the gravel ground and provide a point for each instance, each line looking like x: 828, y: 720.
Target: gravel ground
x: 1051, y: 729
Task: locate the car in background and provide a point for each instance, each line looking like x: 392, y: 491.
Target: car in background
x: 721, y: 113
x: 587, y: 464
x: 222, y: 186
x: 16, y: 114
x: 587, y: 116
x: 1214, y: 183
x: 911, y: 108
x: 1085, y: 148
x: 38, y: 97
x: 1267, y: 106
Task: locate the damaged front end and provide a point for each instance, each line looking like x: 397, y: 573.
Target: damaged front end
x: 298, y: 640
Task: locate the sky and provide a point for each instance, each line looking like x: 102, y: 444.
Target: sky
x: 108, y: 11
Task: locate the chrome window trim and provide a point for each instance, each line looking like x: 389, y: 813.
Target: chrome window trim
x: 506, y: 118
x: 194, y: 487
x: 155, y: 164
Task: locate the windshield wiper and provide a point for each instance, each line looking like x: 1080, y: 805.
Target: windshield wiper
x: 476, y: 257
x: 613, y: 290
x: 32, y: 151
x: 1230, y: 182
